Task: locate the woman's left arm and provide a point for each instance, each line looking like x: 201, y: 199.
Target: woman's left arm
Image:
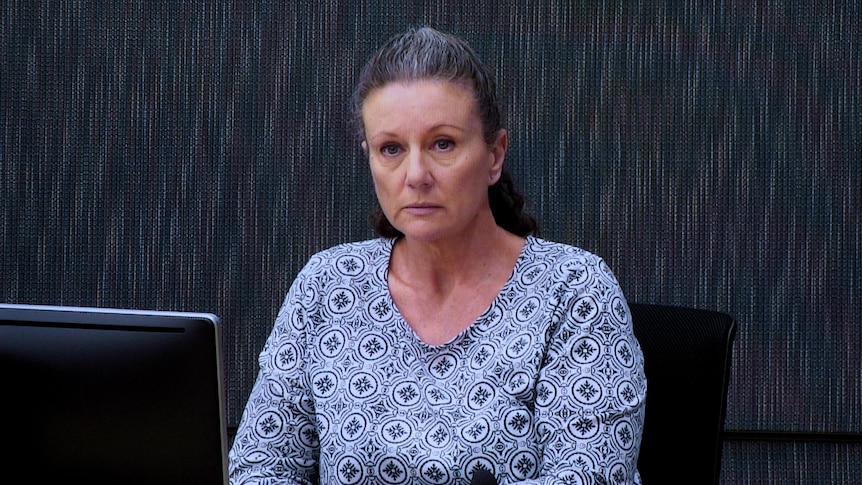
x: 591, y: 388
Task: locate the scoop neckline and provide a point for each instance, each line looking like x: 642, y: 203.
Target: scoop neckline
x: 404, y: 325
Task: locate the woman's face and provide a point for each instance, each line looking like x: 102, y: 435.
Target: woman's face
x: 430, y: 163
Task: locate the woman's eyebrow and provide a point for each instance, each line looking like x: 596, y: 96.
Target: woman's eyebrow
x: 391, y: 134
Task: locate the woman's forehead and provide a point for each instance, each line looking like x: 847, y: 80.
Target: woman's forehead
x: 429, y: 95
x: 419, y: 106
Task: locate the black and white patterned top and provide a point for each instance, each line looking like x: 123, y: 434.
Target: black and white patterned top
x: 547, y: 386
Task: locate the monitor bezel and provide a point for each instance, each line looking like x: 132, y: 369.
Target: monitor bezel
x: 88, y: 317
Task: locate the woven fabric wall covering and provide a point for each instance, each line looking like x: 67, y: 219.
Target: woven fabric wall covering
x: 192, y: 155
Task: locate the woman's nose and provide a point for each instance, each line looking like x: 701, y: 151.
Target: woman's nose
x: 418, y: 169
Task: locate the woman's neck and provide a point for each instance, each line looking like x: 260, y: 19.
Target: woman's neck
x: 442, y: 266
x: 441, y: 290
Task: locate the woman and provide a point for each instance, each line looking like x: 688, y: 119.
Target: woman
x: 456, y: 342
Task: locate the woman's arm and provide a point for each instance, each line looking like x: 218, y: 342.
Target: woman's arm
x: 591, y: 388
x: 277, y: 441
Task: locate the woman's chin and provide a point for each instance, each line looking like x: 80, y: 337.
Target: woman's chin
x: 424, y: 232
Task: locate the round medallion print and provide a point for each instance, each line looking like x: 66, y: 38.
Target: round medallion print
x: 349, y: 471
x: 308, y: 435
x: 626, y: 392
x: 372, y: 347
x: 340, y: 300
x: 480, y: 395
x: 406, y: 394
x: 546, y: 392
x: 519, y: 383
x: 380, y: 309
x: 476, y: 431
x: 442, y: 366
x: 392, y: 471
x: 438, y: 436
x: 523, y: 465
x: 527, y: 309
x: 585, y: 309
x: 396, y: 431
x: 585, y: 350
x: 353, y: 427
x: 324, y: 384
x: 350, y: 265
x: 517, y: 423
x: 286, y: 357
x: 362, y: 385
x: 332, y: 343
x: 624, y: 353
x: 584, y: 427
x: 532, y: 272
x: 587, y: 391
x: 482, y: 356
x: 624, y: 435
x: 269, y: 425
x: 433, y: 471
x: 519, y: 346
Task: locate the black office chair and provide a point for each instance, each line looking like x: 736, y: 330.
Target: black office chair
x: 687, y: 356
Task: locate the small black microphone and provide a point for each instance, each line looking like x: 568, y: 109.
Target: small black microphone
x: 483, y: 477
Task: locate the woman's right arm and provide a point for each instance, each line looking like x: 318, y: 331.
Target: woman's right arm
x: 276, y: 441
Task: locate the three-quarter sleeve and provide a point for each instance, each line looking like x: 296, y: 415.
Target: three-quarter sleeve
x: 591, y: 388
x: 277, y: 440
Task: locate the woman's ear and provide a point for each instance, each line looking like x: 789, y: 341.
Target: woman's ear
x: 364, y: 146
x: 498, y: 152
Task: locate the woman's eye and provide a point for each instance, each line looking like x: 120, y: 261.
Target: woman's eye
x: 389, y: 150
x: 444, y: 144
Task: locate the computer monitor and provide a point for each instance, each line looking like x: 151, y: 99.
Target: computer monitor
x: 110, y: 396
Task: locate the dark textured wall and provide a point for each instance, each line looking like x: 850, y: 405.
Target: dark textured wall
x: 191, y: 155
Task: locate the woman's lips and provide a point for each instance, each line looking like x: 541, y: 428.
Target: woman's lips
x: 421, y: 209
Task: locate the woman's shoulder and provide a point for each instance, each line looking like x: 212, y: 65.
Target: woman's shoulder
x: 541, y: 249
x: 367, y: 248
x: 566, y: 262
x: 350, y: 258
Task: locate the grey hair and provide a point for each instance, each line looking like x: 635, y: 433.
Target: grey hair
x: 427, y: 54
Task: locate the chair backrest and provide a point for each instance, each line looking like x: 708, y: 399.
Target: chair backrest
x: 687, y: 356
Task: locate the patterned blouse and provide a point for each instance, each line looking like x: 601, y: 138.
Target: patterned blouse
x: 547, y: 386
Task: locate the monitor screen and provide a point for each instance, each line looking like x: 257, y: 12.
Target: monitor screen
x: 111, y: 396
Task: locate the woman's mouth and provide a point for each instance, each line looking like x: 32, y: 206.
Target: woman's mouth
x: 421, y: 208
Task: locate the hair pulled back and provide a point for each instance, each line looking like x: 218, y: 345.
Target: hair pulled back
x: 427, y: 54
